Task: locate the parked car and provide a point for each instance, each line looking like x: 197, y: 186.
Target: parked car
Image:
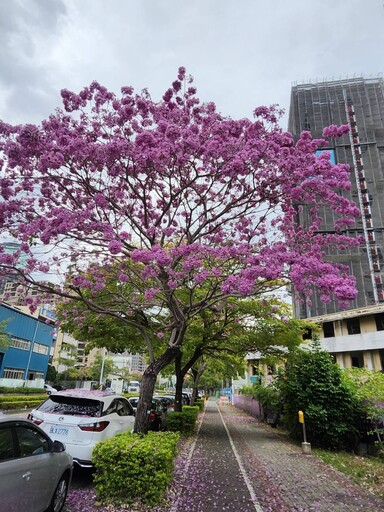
x: 186, y: 397
x: 35, y: 471
x: 157, y: 413
x: 49, y: 389
x: 81, y: 418
x: 134, y: 400
x: 168, y: 402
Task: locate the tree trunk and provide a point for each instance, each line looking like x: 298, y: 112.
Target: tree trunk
x: 148, y: 387
x: 180, y: 376
x: 196, y: 376
x: 179, y: 384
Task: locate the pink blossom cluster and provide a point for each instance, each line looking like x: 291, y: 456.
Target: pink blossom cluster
x: 177, y: 193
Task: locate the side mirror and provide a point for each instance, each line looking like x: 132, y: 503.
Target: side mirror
x: 58, y: 447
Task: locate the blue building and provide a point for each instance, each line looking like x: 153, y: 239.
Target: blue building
x: 24, y: 359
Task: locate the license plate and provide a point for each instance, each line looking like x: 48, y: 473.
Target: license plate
x: 59, y: 431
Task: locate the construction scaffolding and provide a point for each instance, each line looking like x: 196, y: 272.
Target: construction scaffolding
x: 358, y: 102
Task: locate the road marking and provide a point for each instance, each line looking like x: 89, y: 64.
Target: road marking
x: 247, y: 481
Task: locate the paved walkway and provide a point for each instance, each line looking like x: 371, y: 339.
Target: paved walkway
x: 239, y: 465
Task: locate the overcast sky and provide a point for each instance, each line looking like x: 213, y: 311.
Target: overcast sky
x: 242, y: 53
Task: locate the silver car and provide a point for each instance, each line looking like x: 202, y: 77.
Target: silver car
x: 35, y: 472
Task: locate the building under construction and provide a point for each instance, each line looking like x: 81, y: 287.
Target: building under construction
x: 358, y: 102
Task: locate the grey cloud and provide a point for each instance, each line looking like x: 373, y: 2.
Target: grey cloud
x: 24, y: 24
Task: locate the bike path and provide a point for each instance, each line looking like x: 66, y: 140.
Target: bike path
x: 238, y: 464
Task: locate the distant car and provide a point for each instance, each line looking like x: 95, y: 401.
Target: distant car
x: 49, y: 389
x: 157, y: 413
x: 35, y: 471
x: 134, y: 386
x: 81, y: 418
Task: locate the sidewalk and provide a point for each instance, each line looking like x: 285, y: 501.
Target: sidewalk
x: 239, y: 465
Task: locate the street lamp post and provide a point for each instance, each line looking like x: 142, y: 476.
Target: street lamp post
x: 30, y: 353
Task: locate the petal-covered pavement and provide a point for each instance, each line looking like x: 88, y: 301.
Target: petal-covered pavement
x: 240, y: 465
x: 237, y: 464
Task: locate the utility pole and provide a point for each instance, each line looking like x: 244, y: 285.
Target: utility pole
x: 102, y: 369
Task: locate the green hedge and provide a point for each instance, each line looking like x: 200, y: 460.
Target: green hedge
x: 131, y: 467
x: 21, y: 390
x: 183, y: 422
x: 8, y: 401
x: 26, y: 404
x: 200, y: 402
x: 18, y: 398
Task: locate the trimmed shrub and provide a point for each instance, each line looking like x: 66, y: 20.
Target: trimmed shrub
x: 18, y: 398
x: 131, y: 467
x: 21, y: 390
x: 20, y: 402
x: 183, y: 422
x: 314, y: 384
x: 191, y: 409
x: 200, y: 403
x: 269, y: 398
x: 175, y: 422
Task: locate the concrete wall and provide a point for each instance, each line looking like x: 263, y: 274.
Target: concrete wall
x: 247, y: 404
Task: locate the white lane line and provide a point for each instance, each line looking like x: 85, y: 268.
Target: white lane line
x: 189, y: 458
x: 247, y: 481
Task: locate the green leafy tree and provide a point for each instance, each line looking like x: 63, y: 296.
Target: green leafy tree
x: 51, y: 373
x: 368, y: 386
x: 5, y: 339
x: 233, y: 328
x: 97, y: 365
x: 68, y: 359
x: 220, y: 371
x: 314, y: 384
x: 101, y: 319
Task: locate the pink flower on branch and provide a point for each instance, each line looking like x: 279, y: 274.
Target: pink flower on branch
x: 176, y: 192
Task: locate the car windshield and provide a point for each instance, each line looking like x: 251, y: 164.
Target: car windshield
x: 71, y: 406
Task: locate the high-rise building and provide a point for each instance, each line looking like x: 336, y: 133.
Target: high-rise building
x: 358, y: 102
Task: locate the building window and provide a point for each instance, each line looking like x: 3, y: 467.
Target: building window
x: 307, y: 334
x: 353, y: 326
x: 329, y: 330
x: 357, y: 360
x: 33, y: 375
x: 21, y: 344
x: 379, y: 321
x: 13, y: 373
x: 38, y: 348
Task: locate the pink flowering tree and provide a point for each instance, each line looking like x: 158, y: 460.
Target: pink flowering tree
x: 173, y: 196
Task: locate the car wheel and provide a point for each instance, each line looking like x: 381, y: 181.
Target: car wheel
x: 59, y: 496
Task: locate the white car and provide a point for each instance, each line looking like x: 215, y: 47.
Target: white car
x: 81, y: 418
x: 49, y: 389
x: 134, y: 386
